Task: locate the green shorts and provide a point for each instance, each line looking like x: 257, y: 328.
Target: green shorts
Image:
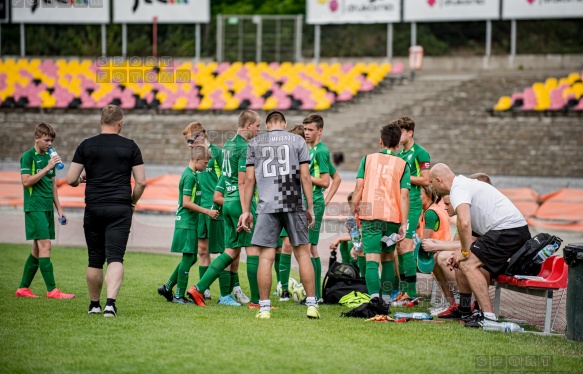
x: 184, y: 241
x: 39, y: 225
x: 214, y: 231
x: 231, y: 212
x: 415, y: 210
x: 372, y: 233
x: 314, y: 233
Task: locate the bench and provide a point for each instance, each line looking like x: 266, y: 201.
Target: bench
x: 554, y: 271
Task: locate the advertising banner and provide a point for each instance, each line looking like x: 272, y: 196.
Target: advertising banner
x: 450, y: 10
x: 167, y: 11
x: 60, y: 11
x: 319, y: 12
x: 524, y: 9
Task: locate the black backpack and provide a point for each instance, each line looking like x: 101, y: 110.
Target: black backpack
x: 522, y: 262
x: 340, y: 280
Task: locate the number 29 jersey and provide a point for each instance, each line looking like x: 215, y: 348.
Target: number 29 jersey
x: 277, y: 156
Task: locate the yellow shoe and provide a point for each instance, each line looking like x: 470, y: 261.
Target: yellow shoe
x: 263, y: 315
x: 313, y: 312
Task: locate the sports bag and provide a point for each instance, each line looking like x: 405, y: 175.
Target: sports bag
x: 522, y: 262
x: 375, y: 307
x: 340, y: 280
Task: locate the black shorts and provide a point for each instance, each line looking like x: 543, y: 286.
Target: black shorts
x: 107, y: 229
x: 495, y: 247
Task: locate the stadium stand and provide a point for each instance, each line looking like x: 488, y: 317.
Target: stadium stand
x: 72, y: 84
x: 554, y: 95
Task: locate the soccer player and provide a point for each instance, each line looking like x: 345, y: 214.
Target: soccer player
x: 419, y: 163
x: 278, y: 162
x: 37, y: 173
x: 381, y: 199
x: 320, y: 172
x: 233, y: 170
x: 187, y: 215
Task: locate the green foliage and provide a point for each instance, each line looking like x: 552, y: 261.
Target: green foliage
x: 151, y: 335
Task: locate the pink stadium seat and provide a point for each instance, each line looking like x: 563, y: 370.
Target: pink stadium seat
x: 529, y: 99
x: 579, y: 107
x: 345, y: 95
x: 283, y: 103
x: 398, y: 68
x: 222, y: 67
x: 346, y: 67
x: 557, y: 101
x: 330, y: 97
x: 257, y: 103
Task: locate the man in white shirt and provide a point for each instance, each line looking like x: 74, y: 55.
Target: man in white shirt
x: 485, y: 213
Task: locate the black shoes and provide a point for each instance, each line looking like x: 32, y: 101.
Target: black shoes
x: 168, y: 294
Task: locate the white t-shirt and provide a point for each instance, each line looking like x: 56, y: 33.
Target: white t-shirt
x: 489, y: 208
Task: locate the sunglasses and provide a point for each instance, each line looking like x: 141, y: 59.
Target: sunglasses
x: 192, y: 140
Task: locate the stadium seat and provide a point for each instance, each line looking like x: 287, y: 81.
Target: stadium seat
x: 503, y: 104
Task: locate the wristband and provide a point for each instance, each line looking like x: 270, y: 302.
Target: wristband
x: 133, y: 205
x: 466, y: 253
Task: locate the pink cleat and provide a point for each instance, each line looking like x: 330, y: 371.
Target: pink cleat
x: 25, y: 292
x: 56, y: 294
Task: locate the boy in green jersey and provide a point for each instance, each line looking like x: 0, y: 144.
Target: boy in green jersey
x: 37, y: 172
x: 185, y: 235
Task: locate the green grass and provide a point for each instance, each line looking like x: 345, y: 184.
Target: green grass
x: 151, y: 335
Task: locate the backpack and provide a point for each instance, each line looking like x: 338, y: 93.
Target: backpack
x: 522, y: 262
x: 340, y: 280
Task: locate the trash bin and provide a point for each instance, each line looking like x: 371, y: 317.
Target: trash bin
x: 573, y: 254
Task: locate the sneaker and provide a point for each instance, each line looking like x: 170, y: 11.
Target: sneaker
x: 256, y: 306
x: 320, y: 301
x: 228, y: 300
x: 181, y: 300
x: 196, y: 296
x: 402, y: 296
x: 168, y: 294
x: 25, y: 292
x: 411, y: 303
x: 434, y: 312
x: 263, y: 315
x: 479, y: 320
x: 453, y: 313
x: 207, y: 294
x: 56, y: 294
x: 470, y: 317
x: 94, y: 310
x: 395, y: 294
x: 241, y: 297
x: 110, y: 311
x: 285, y: 296
x: 313, y: 312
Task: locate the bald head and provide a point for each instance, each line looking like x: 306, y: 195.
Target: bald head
x: 441, y: 178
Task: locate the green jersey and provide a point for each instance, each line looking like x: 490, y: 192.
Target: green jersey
x: 319, y: 164
x: 38, y: 197
x: 209, y: 178
x: 418, y: 160
x: 431, y: 220
x: 188, y: 185
x: 405, y: 178
x: 234, y: 161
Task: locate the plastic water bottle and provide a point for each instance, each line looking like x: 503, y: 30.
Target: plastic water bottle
x: 417, y: 315
x: 63, y: 220
x: 354, y: 231
x: 501, y: 326
x: 545, y: 253
x: 52, y: 153
x: 416, y: 238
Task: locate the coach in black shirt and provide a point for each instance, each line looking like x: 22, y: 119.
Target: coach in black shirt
x: 109, y: 161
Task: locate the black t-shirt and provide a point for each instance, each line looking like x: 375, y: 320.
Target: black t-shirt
x: 108, y: 160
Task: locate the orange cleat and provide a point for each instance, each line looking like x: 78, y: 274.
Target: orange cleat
x: 196, y: 296
x: 25, y: 292
x: 56, y: 294
x: 256, y: 306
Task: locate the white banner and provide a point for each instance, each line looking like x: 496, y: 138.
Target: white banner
x: 521, y: 9
x: 60, y: 11
x: 451, y: 10
x: 167, y: 11
x: 320, y: 12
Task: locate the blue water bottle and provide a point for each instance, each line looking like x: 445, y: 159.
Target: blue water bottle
x: 52, y: 153
x: 352, y: 225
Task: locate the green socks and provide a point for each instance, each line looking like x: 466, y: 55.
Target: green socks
x: 173, y: 279
x: 362, y: 265
x: 30, y: 268
x: 284, y: 270
x: 252, y: 265
x: 225, y: 282
x: 234, y: 281
x: 387, y: 277
x: 400, y: 278
x: 373, y: 282
x: 318, y: 276
x: 188, y: 259
x: 212, y: 273
x: 410, y: 267
x: 276, y: 265
x: 201, y: 272
x: 46, y: 269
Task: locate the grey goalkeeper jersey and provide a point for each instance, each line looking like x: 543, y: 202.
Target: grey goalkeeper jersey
x: 276, y: 156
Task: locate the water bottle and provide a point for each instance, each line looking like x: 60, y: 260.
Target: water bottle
x: 501, y: 326
x: 545, y: 253
x: 52, y: 153
x: 354, y: 232
x: 63, y: 220
x: 416, y: 238
x: 417, y: 315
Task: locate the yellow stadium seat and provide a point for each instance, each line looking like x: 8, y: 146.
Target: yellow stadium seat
x: 504, y: 103
x: 270, y: 103
x: 231, y: 104
x: 573, y: 77
x: 550, y: 83
x: 206, y: 103
x: 180, y: 103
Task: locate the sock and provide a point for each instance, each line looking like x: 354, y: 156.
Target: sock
x: 410, y: 266
x: 30, y: 268
x: 318, y: 276
x: 94, y: 304
x: 401, y: 276
x: 403, y: 283
x: 264, y: 305
x: 373, y: 282
x: 311, y: 301
x: 110, y: 302
x: 465, y: 302
x: 387, y: 277
x: 362, y: 265
x: 284, y: 270
x: 490, y: 315
x: 46, y: 269
x: 252, y: 265
x: 173, y: 279
x: 234, y: 281
x: 212, y: 273
x: 188, y: 259
x: 276, y: 265
x: 225, y: 282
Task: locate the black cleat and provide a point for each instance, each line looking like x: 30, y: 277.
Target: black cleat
x: 168, y: 294
x: 181, y: 300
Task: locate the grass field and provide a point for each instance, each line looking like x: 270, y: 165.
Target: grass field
x: 151, y: 335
